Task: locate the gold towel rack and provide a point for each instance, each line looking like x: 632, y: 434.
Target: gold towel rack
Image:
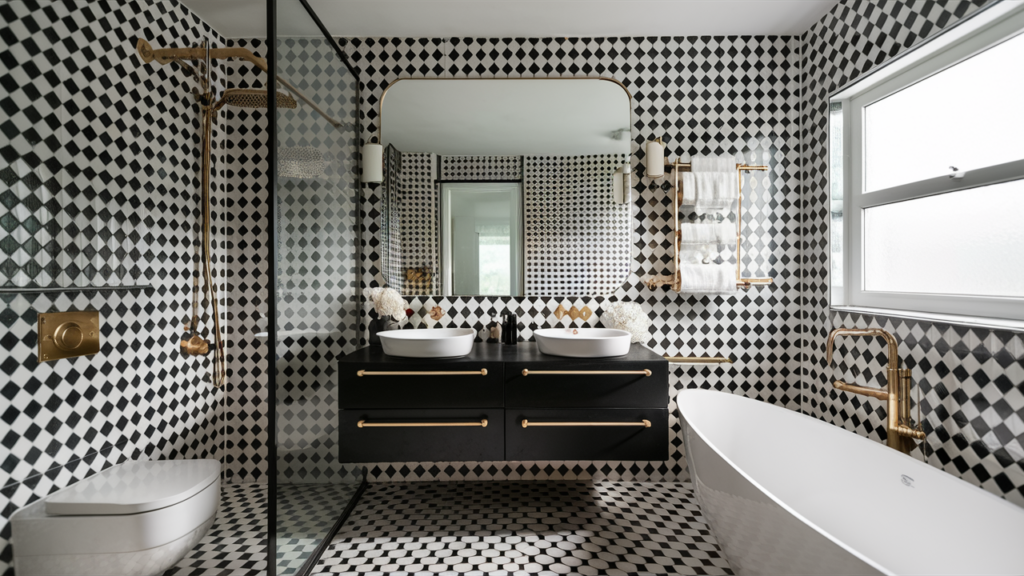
x: 480, y: 372
x: 644, y: 423
x: 644, y: 372
x: 674, y: 281
x: 365, y: 424
x: 698, y: 360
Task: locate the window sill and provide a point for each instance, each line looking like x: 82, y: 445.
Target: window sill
x: 969, y: 321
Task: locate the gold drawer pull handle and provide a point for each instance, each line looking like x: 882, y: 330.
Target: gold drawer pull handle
x: 480, y: 372
x: 644, y: 423
x: 365, y: 424
x: 644, y: 372
x: 698, y: 360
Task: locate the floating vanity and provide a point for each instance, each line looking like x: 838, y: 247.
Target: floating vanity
x: 503, y: 403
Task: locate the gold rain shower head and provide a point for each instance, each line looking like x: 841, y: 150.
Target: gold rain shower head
x: 254, y: 98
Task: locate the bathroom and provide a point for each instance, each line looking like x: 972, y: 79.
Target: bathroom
x: 232, y: 247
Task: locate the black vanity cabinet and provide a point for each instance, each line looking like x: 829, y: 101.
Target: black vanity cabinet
x: 502, y: 403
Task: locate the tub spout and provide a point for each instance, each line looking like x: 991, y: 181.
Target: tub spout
x: 900, y: 435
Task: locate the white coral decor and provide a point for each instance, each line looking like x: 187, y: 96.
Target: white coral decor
x: 387, y: 302
x: 628, y: 316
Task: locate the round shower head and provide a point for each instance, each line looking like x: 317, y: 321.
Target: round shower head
x: 254, y: 98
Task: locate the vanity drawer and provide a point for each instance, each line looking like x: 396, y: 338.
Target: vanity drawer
x: 427, y: 385
x: 596, y: 434
x: 586, y: 384
x: 421, y: 435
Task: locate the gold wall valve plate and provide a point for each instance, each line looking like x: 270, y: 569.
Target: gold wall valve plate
x: 68, y: 334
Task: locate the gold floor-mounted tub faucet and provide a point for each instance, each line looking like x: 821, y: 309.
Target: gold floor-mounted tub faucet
x: 901, y: 435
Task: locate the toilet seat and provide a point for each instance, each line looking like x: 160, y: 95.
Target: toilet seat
x: 134, y: 487
x: 171, y: 505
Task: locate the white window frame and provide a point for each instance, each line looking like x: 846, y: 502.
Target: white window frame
x: 987, y: 29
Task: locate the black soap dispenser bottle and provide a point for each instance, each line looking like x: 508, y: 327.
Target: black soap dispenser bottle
x: 509, y: 328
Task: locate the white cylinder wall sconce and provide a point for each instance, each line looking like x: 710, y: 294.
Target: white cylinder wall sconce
x: 654, y: 162
x: 373, y: 163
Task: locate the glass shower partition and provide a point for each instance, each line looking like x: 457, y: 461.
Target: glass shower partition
x: 317, y: 282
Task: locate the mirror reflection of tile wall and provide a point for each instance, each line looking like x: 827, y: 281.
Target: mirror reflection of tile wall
x: 577, y: 239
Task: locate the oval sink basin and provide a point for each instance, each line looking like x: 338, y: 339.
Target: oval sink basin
x: 428, y: 343
x: 583, y: 342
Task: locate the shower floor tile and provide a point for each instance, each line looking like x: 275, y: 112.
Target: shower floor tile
x: 236, y: 544
x: 526, y: 527
x: 305, y: 515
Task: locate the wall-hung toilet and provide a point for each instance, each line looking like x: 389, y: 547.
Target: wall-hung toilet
x: 134, y: 519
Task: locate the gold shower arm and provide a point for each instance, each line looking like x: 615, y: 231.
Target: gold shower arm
x: 168, y: 55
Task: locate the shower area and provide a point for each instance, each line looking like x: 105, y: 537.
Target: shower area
x: 316, y: 284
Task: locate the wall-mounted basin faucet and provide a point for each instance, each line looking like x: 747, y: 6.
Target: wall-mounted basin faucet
x: 901, y: 434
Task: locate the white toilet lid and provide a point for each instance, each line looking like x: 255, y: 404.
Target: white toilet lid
x: 134, y: 487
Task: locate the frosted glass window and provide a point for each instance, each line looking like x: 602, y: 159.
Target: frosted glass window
x: 961, y: 243
x: 969, y: 116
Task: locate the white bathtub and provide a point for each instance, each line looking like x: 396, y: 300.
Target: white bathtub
x: 785, y: 493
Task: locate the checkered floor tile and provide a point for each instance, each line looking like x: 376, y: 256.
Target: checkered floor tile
x: 236, y: 544
x: 305, y: 515
x: 527, y: 527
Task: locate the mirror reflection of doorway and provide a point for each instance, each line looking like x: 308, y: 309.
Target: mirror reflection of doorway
x: 482, y: 238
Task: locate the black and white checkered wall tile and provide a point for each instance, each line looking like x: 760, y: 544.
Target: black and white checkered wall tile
x: 455, y: 168
x: 577, y: 239
x: 115, y: 143
x: 971, y: 380
x: 700, y: 95
x: 420, y: 243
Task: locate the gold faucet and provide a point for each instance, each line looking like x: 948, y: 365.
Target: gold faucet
x: 900, y: 434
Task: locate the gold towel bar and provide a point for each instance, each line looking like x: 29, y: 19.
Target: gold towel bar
x: 644, y: 372
x: 644, y: 423
x: 480, y: 372
x: 365, y: 424
x: 698, y: 360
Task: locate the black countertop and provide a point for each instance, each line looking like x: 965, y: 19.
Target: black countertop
x: 483, y: 352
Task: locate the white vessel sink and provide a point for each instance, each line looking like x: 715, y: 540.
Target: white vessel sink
x: 583, y: 342
x: 428, y: 343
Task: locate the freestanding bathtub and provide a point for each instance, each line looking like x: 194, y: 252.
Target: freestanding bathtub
x: 785, y: 493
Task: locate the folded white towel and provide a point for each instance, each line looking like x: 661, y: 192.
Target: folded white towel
x: 722, y: 163
x: 707, y: 233
x: 707, y: 278
x: 709, y: 191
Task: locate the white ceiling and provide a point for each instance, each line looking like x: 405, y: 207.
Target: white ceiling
x: 506, y: 117
x: 517, y: 18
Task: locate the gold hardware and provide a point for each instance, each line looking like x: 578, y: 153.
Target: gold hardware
x: 436, y: 313
x: 560, y: 312
x: 644, y: 372
x: 68, y: 334
x: 900, y: 435
x: 644, y: 423
x: 481, y: 372
x: 574, y: 313
x: 698, y: 360
x: 586, y: 313
x: 195, y: 346
x: 674, y: 280
x: 365, y: 424
x: 167, y: 55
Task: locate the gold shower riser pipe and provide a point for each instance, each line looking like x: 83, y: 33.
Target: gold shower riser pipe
x: 168, y: 55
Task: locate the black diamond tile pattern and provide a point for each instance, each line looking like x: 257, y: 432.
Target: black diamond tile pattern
x: 972, y: 380
x: 236, y: 544
x: 247, y: 278
x: 701, y: 95
x: 115, y: 144
x: 525, y: 528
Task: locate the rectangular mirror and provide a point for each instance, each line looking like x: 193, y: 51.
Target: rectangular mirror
x: 505, y: 187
